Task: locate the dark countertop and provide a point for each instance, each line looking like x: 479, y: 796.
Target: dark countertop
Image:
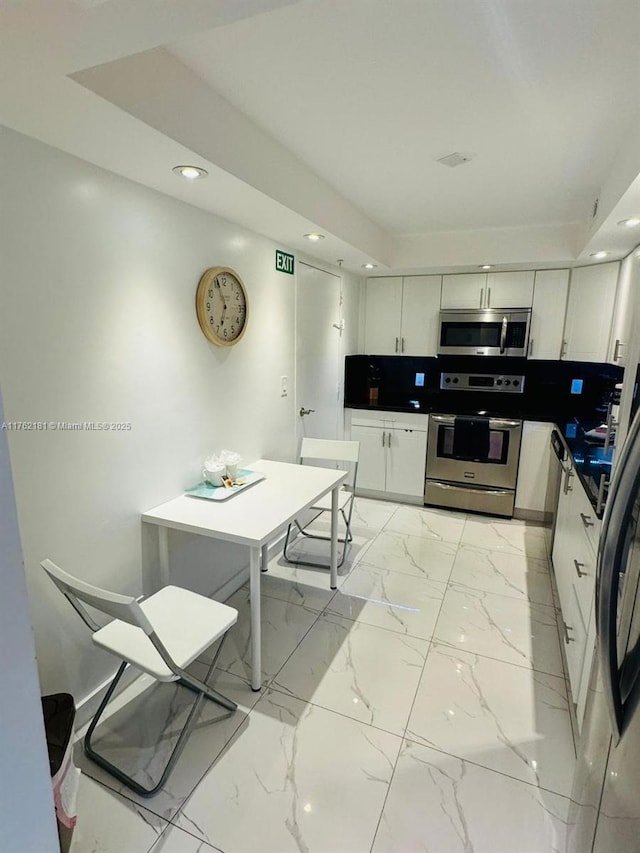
x: 588, y: 455
x: 589, y: 458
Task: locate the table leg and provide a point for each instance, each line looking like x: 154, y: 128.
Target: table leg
x: 163, y: 549
x: 334, y: 537
x: 254, y: 589
x: 265, y: 559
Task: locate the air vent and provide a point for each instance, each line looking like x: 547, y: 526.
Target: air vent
x: 455, y: 159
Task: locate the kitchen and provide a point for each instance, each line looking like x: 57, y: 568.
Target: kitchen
x: 102, y: 270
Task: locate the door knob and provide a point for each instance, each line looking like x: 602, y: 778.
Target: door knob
x: 304, y: 411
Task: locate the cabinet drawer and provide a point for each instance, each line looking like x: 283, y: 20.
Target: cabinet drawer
x: 587, y: 519
x: 584, y: 578
x: 575, y: 639
x: 389, y: 420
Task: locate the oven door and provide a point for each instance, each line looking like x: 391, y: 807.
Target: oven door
x: 475, y: 451
x: 484, y: 333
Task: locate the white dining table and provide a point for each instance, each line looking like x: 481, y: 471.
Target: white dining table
x: 253, y: 516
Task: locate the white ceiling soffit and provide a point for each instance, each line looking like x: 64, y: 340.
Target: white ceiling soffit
x: 161, y: 91
x: 354, y: 102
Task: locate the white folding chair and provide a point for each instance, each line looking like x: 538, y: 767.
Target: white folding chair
x: 161, y: 636
x: 333, y: 451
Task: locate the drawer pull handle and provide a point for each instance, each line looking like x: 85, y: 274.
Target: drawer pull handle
x: 585, y: 520
x: 567, y: 638
x: 578, y: 567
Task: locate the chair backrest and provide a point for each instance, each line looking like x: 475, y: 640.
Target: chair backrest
x: 325, y: 448
x: 123, y: 607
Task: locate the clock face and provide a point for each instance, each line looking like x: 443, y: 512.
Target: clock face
x: 222, y: 307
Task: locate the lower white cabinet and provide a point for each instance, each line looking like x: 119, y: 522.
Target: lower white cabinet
x: 393, y: 450
x: 574, y: 562
x: 537, y: 472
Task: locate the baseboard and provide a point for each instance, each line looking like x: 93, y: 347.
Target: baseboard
x: 390, y: 496
x: 539, y: 516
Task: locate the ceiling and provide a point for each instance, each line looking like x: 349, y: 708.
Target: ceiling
x: 330, y: 115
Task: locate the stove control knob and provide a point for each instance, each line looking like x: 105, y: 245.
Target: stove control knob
x: 516, y: 382
x: 448, y: 380
x: 498, y: 381
x: 507, y: 382
x: 455, y: 380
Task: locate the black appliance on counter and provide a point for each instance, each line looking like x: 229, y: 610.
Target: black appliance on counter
x: 472, y: 460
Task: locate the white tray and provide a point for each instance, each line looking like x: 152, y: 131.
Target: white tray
x: 222, y: 493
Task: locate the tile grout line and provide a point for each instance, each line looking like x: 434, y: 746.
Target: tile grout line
x: 404, y: 734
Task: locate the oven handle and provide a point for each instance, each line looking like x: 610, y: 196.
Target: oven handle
x: 494, y: 423
x: 482, y: 489
x: 503, y: 336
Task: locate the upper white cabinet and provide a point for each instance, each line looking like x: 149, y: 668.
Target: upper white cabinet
x: 547, y: 314
x: 383, y: 312
x: 509, y: 289
x: 495, y: 290
x: 401, y: 315
x: 592, y: 294
x: 464, y: 291
x: 623, y: 314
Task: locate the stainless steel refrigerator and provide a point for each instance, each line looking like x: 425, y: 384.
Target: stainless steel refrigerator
x: 605, y: 809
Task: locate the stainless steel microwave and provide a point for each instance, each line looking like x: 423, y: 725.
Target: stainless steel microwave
x: 491, y: 332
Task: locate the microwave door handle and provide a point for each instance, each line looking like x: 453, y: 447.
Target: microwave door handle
x: 503, y: 336
x: 611, y: 554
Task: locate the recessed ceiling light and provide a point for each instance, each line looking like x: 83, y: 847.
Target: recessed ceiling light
x: 598, y: 255
x: 369, y: 266
x: 314, y: 237
x: 632, y: 222
x: 485, y: 266
x: 191, y: 173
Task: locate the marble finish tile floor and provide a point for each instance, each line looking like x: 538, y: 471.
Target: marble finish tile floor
x: 420, y: 708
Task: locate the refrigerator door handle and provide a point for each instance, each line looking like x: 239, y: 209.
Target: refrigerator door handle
x: 611, y: 553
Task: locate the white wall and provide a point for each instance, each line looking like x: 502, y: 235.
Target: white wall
x: 97, y: 323
x: 27, y: 822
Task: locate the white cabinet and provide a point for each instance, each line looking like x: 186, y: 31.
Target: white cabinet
x: 537, y: 472
x: 464, y: 291
x: 509, y: 289
x: 383, y: 311
x: 401, y: 315
x: 393, y: 450
x: 592, y: 294
x: 547, y: 314
x: 495, y: 290
x: 574, y: 562
x: 623, y: 314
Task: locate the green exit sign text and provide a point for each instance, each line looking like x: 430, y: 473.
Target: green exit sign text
x: 284, y: 262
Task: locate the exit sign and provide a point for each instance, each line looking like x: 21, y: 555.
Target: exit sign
x: 284, y: 262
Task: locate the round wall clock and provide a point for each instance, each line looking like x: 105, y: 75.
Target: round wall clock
x: 222, y: 306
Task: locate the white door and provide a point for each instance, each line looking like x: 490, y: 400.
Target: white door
x: 406, y: 458
x: 371, y: 465
x: 592, y: 294
x: 318, y: 364
x: 547, y: 315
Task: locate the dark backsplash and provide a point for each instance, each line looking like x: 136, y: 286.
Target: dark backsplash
x: 413, y: 384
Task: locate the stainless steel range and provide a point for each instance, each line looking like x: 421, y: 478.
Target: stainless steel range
x: 472, y: 460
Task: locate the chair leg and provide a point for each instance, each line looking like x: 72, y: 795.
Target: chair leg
x: 201, y: 688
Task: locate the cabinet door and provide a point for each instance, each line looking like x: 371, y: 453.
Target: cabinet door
x: 564, y: 538
x: 575, y: 640
x: 509, y: 289
x: 406, y: 459
x: 382, y: 316
x: 420, y: 314
x: 536, y: 481
x: 592, y: 294
x: 371, y: 463
x: 548, y: 313
x: 624, y: 310
x: 464, y: 291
